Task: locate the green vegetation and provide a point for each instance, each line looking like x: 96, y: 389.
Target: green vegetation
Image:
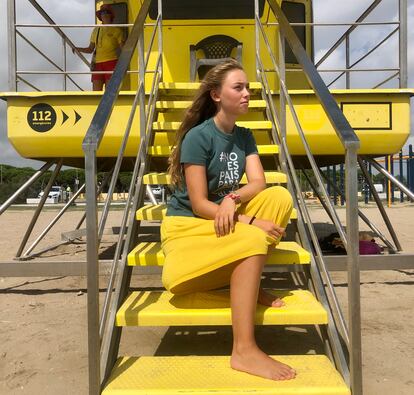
x: 12, y: 178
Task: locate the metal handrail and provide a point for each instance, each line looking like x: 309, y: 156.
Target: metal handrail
x: 28, y: 83
x: 286, y: 155
x: 365, y: 56
x: 388, y: 175
x: 350, y: 30
x: 45, y: 57
x: 140, y: 157
x: 58, y: 30
x: 340, y: 124
x: 292, y: 170
x: 351, y: 144
x: 90, y: 146
x: 386, y: 80
x: 315, y: 168
x: 335, y: 313
x: 139, y: 93
x: 329, y: 24
x: 121, y: 253
x: 401, y: 72
x: 96, y: 130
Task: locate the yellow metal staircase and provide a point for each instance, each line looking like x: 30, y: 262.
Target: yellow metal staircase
x: 316, y: 374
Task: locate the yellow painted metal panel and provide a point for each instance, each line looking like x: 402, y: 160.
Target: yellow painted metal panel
x: 169, y: 137
x: 73, y: 115
x: 254, y: 125
x: 157, y: 212
x: 272, y: 177
x: 204, y: 375
x: 286, y: 253
x: 174, y: 105
x: 64, y: 139
x: 190, y: 88
x: 164, y: 150
x: 374, y: 140
x: 368, y: 115
x: 156, y: 308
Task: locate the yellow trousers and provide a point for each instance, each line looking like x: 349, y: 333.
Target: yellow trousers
x: 197, y: 260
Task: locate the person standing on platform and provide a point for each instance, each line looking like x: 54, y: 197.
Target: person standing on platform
x: 105, y: 44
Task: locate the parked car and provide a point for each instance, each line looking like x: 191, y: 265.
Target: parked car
x: 56, y: 193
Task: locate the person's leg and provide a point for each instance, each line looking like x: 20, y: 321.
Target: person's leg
x: 274, y: 204
x: 109, y: 66
x: 246, y: 355
x: 97, y: 79
x: 97, y: 85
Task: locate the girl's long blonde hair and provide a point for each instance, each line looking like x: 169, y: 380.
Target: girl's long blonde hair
x: 202, y: 108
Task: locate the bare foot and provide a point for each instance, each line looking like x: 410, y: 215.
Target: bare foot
x: 268, y: 299
x: 254, y: 361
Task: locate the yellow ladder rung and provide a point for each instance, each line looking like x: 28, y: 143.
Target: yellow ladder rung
x: 285, y: 253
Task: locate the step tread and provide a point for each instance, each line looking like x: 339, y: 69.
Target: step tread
x: 254, y: 125
x: 189, y: 88
x: 157, y: 308
x: 205, y: 375
x: 156, y: 212
x: 285, y: 253
x: 164, y: 105
x: 165, y: 150
x: 272, y: 177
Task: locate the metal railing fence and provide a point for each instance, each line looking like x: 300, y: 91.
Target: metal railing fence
x: 97, y: 343
x: 15, y: 30
x: 351, y: 145
x: 401, y: 72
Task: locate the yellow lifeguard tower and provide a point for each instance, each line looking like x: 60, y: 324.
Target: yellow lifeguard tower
x: 298, y: 123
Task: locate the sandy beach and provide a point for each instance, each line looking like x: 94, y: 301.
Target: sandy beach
x: 43, y: 322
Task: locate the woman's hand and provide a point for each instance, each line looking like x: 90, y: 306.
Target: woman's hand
x: 269, y: 227
x: 224, y: 219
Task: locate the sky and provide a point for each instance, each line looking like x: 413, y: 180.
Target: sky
x: 82, y: 11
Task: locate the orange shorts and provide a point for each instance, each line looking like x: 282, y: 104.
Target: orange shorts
x: 104, y: 66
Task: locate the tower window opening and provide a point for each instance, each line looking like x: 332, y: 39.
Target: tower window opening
x: 201, y: 9
x: 295, y: 13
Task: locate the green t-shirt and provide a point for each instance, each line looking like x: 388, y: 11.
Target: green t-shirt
x: 222, y: 154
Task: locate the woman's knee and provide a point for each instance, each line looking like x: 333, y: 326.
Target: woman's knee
x: 280, y: 194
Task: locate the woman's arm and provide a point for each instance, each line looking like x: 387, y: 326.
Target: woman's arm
x: 256, y: 181
x: 196, y: 180
x: 223, y: 214
x: 89, y: 49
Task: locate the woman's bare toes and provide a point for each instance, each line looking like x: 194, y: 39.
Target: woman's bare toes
x: 268, y: 299
x: 256, y: 362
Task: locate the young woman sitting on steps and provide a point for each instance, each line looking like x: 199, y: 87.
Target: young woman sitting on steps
x: 217, y: 233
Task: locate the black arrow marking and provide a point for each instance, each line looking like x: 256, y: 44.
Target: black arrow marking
x: 77, y: 117
x: 65, y: 117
